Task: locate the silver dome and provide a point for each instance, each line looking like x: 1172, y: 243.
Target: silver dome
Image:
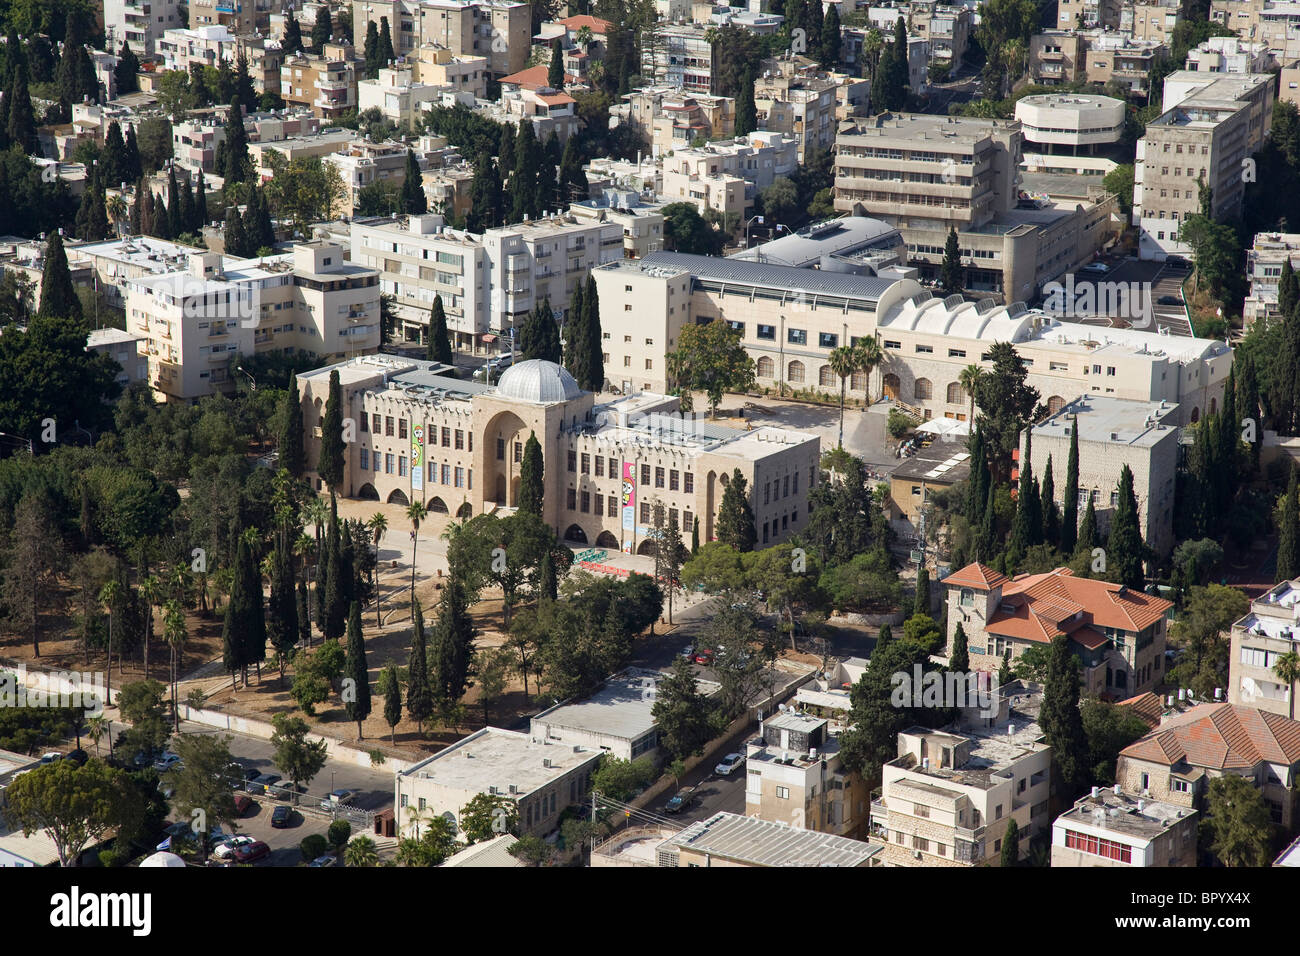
x: 538, y: 381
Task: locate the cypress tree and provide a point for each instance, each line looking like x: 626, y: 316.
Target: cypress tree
x: 332, y: 449
x: 986, y: 545
x: 112, y: 156
x: 1288, y: 545
x: 575, y: 338
x: 1051, y: 511
x: 126, y: 75
x: 371, y: 51
x: 438, y: 348
x: 831, y: 40
x: 22, y: 120
x: 1005, y: 674
x: 199, y: 210
x: 452, y: 645
x: 292, y: 42
x: 1248, y: 402
x: 1010, y: 846
x: 1124, y: 560
x: 977, y: 485
x: 419, y: 696
x: 531, y: 477
x: 323, y: 29
x: 1070, y: 506
x: 959, y: 659
x: 746, y: 112
x: 414, y: 202
x: 175, y: 214
x: 337, y: 579
x: 548, y: 187
x: 950, y: 271
x: 695, y: 536
x: 238, y: 166
x: 736, y: 517
x: 555, y: 72
x: 1060, y: 719
x: 1089, y: 537
x: 131, y: 168
x: 357, y: 704
x: 384, y: 52
x: 304, y: 618
x: 290, y: 443
x: 523, y: 181
x: 392, y: 701
x: 282, y: 608
x: 236, y: 239
x: 922, y: 602
x: 573, y: 181
x: 594, y: 347
x: 506, y: 149
x: 58, y: 297
x: 883, y: 639
x: 549, y: 583
x: 162, y: 223
x: 1288, y: 289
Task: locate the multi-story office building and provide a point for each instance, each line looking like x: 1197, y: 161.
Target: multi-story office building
x: 195, y: 322
x: 1116, y: 633
x: 1176, y: 762
x: 794, y: 774
x: 138, y: 23
x: 930, y: 174
x: 679, y: 55
x: 949, y: 796
x: 1113, y: 433
x: 496, y: 29
x: 1212, y: 123
x: 458, y: 446
x: 1111, y: 828
x: 1264, y: 261
x: 327, y: 83
x: 1259, y: 640
x: 790, y: 319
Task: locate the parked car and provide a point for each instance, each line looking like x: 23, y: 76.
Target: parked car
x: 252, y: 852
x: 337, y: 798
x: 243, y: 803
x: 1097, y: 268
x: 688, y: 652
x: 680, y: 801
x: 281, y: 817
x: 1177, y: 262
x: 79, y: 757
x: 52, y: 757
x: 729, y: 763
x: 1169, y: 300
x: 226, y: 849
x: 326, y: 860
x: 263, y: 780
x: 284, y: 790
x: 166, y: 762
x: 704, y: 655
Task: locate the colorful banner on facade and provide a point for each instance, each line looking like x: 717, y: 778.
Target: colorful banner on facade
x: 629, y: 495
x: 417, y: 458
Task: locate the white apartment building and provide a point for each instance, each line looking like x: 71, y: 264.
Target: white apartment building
x: 361, y: 163
x: 680, y: 55
x: 140, y: 23
x: 496, y: 29
x: 1264, y: 262
x: 642, y: 223
x: 790, y: 319
x: 1212, y: 124
x: 727, y: 176
x: 395, y: 94
x: 122, y: 348
x: 438, y: 66
x: 487, y: 282
x: 203, y: 46
x: 1229, y: 55
x: 195, y: 322
x: 796, y: 102
x: 1269, y: 631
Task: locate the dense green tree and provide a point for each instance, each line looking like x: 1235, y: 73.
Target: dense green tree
x: 1010, y: 845
x: 746, y: 111
x: 710, y: 358
x: 539, y: 336
x: 1060, y: 718
x: 238, y: 167
x: 371, y: 51
x: 555, y: 71
x: 682, y: 712
x: 290, y: 441
x: 959, y: 659
x: 392, y: 700
x: 126, y: 73
x: 452, y: 646
x: 356, y: 691
x: 58, y: 297
x: 332, y: 446
x: 439, y: 345
x: 414, y: 201
x: 1006, y: 406
x: 1125, y: 550
x: 323, y: 29
x: 292, y: 42
x: 419, y: 695
x: 1070, y: 505
x: 532, y: 482
x: 736, y: 517
x: 1238, y: 822
x: 951, y: 273
x: 384, y: 51
x: 922, y: 603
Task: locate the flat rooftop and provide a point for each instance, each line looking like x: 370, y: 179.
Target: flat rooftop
x: 1110, y: 420
x: 941, y: 461
x: 1121, y: 813
x: 102, y: 337
x: 621, y: 708
x: 499, y: 759
x: 768, y: 843
x: 929, y: 128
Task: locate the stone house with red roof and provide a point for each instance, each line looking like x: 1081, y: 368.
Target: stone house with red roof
x: 1176, y: 762
x: 1117, y: 633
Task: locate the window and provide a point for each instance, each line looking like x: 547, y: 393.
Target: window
x: 783, y: 793
x: 645, y: 475
x: 501, y: 449
x: 446, y: 437
x: 1179, y: 786
x: 460, y: 439
x: 659, y: 477
x: 365, y: 459
x: 613, y: 506
x: 460, y: 477
x: 767, y: 331
x: 1096, y: 846
x: 599, y: 507
x: 586, y: 502
x: 645, y: 512
x: 401, y: 428
x: 388, y: 425
x: 956, y: 353
x: 796, y: 336
x: 572, y: 499
x: 674, y: 479
x: 573, y: 460
x: 401, y: 466
x: 388, y: 464
x: 922, y: 389
x: 586, y: 463
x: 828, y: 340
x: 688, y: 482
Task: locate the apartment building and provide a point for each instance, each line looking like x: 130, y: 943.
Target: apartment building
x: 114, y: 262
x: 540, y: 778
x: 1264, y: 262
x: 327, y: 83
x: 239, y: 16
x: 122, y: 348
x: 1176, y: 762
x: 679, y: 55
x: 1276, y: 25
x: 1111, y: 828
x: 1056, y: 57
x: 436, y: 65
x: 727, y: 176
x: 138, y: 24
x: 1087, y: 14
x: 797, y: 102
x: 1120, y: 58
x: 199, y: 321
x: 547, y: 110
x: 929, y: 174
x: 949, y: 795
x: 181, y: 48
x: 668, y: 118
x: 322, y: 143
x: 496, y: 29
x: 397, y: 96
x: 618, y: 719
x: 790, y: 319
x: 1113, y: 433
x: 361, y: 163
x: 1150, y: 21
x: 642, y: 223
x: 1117, y: 634
x: 607, y: 466
x: 731, y: 839
x: 450, y: 189
x: 934, y: 468
x: 793, y: 774
x: 1212, y: 124
x: 1229, y: 55
x: 1269, y: 632
x: 947, y: 27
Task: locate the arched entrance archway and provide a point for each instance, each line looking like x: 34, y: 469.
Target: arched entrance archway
x: 607, y: 540
x: 465, y: 511
x: 648, y: 547
x: 1055, y: 404
x: 503, y: 431
x: 437, y: 506
x: 1196, y: 415
x: 891, y: 386
x: 575, y: 533
x: 367, y: 492
x: 398, y: 497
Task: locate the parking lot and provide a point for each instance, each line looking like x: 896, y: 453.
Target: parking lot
x: 1164, y: 282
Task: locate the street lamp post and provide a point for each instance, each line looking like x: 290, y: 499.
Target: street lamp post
x: 252, y: 381
x: 748, y: 223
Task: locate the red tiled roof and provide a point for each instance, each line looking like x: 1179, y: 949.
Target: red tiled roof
x: 1147, y: 707
x: 1221, y: 737
x: 594, y: 24
x: 976, y: 576
x: 534, y: 78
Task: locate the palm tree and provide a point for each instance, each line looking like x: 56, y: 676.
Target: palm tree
x: 150, y: 588
x: 417, y: 513
x: 969, y: 380
x: 871, y: 357
x: 109, y: 595
x: 872, y: 44
x: 843, y: 362
x: 118, y: 211
x: 96, y: 727
x: 175, y: 633
x: 316, y: 512
x: 361, y: 852
x: 378, y: 525
x: 1287, y: 669
x: 583, y: 38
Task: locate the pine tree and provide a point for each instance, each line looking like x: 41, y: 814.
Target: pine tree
x: 1010, y: 846
x: 292, y: 42
x: 922, y: 602
x: 950, y: 272
x: 419, y: 696
x: 413, y: 200
x: 357, y: 704
x: 438, y: 348
x: 959, y: 659
x: 290, y: 443
x: 58, y: 297
x: 1051, y: 511
x: 555, y: 72
x: 236, y: 239
x: 532, y: 485
x: 323, y: 29
x: 371, y: 51
x: 1070, y: 507
x: 1060, y: 719
x: 1288, y: 544
x: 1125, y: 549
x: 126, y: 75
x: 332, y: 450
x: 736, y: 517
x: 22, y: 120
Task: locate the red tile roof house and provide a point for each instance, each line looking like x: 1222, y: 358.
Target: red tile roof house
x: 1176, y: 762
x: 1117, y: 633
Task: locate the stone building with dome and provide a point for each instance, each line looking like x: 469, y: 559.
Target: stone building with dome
x: 418, y: 434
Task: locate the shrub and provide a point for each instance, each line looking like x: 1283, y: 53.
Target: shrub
x: 313, y: 846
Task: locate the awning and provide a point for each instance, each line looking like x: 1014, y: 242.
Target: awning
x: 489, y: 337
x: 944, y: 426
